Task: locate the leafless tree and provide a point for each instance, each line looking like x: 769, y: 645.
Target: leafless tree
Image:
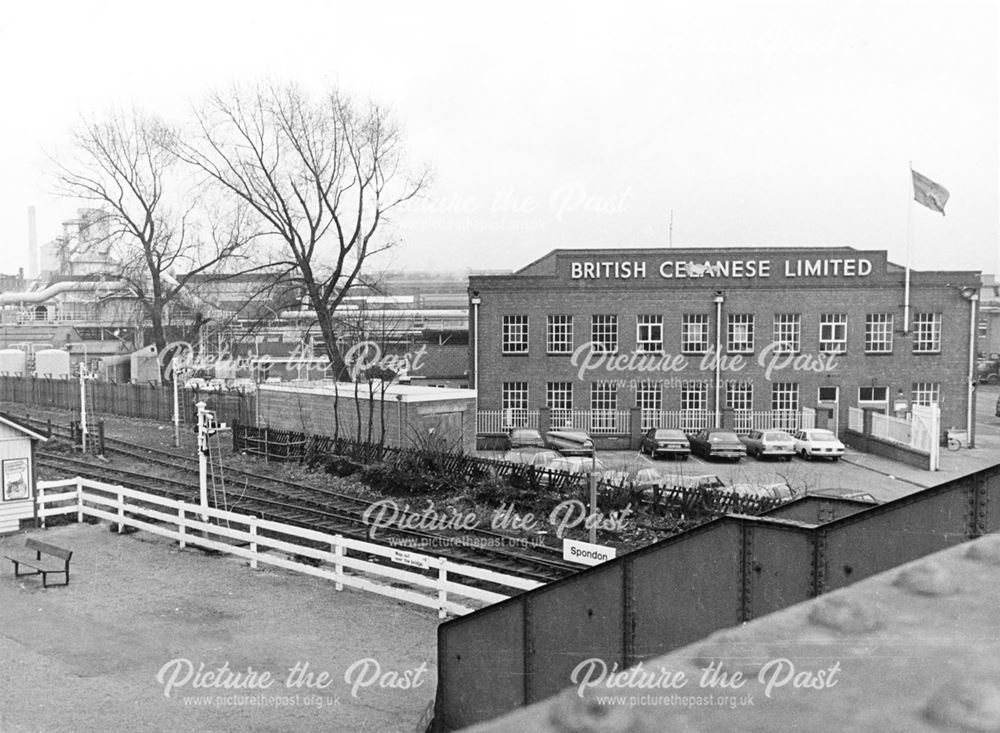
x: 149, y: 226
x: 321, y: 174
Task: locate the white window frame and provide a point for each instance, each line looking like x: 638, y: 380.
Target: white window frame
x: 863, y: 402
x: 559, y: 395
x: 926, y: 333
x: 878, y: 333
x: 559, y: 334
x: 604, y: 333
x: 694, y: 396
x: 689, y: 322
x: 833, y: 333
x: 649, y: 400
x: 925, y: 393
x: 785, y: 396
x: 649, y: 334
x: 739, y: 395
x: 787, y: 333
x: 740, y: 333
x: 514, y: 334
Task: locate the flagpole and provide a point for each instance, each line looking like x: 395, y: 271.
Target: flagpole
x: 909, y: 257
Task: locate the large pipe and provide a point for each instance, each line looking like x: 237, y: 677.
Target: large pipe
x: 51, y: 291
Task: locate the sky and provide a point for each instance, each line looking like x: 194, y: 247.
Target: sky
x: 570, y: 124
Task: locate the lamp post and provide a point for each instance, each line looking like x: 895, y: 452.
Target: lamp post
x: 719, y: 299
x: 971, y: 295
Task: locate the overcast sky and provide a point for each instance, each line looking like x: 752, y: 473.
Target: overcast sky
x: 569, y: 124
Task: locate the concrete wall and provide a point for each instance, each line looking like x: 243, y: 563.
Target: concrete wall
x: 409, y: 414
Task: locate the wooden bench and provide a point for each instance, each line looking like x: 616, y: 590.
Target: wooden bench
x: 43, y: 567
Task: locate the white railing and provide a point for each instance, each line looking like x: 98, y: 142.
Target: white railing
x: 601, y: 422
x: 690, y: 421
x: 891, y: 428
x: 855, y: 419
x: 500, y: 421
x: 746, y: 420
x: 190, y: 524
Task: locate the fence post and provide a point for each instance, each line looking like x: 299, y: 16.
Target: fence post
x: 40, y: 503
x: 79, y: 502
x: 338, y: 565
x: 121, y: 510
x: 253, y: 543
x: 442, y: 591
x: 180, y: 525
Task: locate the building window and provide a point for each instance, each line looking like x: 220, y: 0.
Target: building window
x: 927, y: 333
x: 514, y: 400
x: 787, y: 333
x: 604, y: 334
x: 833, y: 333
x: 649, y: 334
x: 828, y: 393
x: 926, y: 393
x: 870, y: 395
x: 559, y: 335
x: 694, y: 396
x: 603, y: 406
x: 878, y: 333
x: 515, y: 334
x: 694, y: 333
x: 559, y: 395
x: 739, y: 395
x: 739, y: 333
x: 649, y: 400
x: 785, y: 396
x: 984, y: 328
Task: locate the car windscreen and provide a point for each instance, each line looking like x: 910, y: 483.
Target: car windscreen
x: 822, y: 436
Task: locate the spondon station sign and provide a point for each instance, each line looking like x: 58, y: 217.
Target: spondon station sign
x: 721, y: 268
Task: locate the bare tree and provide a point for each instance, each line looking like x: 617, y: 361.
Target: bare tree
x: 322, y: 176
x: 147, y: 219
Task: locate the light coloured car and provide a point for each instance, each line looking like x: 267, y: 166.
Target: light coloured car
x: 570, y: 442
x: 769, y: 444
x: 531, y: 456
x: 577, y: 464
x: 817, y: 443
x: 524, y: 438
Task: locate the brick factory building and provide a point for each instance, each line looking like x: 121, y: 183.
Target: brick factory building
x: 615, y: 341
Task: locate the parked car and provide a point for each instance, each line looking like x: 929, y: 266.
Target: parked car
x: 815, y: 443
x: 779, y: 491
x: 997, y: 410
x: 988, y: 370
x: 665, y: 442
x: 769, y: 444
x: 577, y: 465
x: 570, y: 442
x: 530, y: 456
x: 524, y: 438
x: 717, y: 443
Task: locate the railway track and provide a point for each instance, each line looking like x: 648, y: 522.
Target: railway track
x: 313, y: 508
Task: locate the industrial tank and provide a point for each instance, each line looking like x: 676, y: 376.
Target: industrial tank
x: 52, y: 363
x: 13, y: 362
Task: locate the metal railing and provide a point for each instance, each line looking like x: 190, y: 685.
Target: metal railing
x: 500, y: 421
x: 600, y: 422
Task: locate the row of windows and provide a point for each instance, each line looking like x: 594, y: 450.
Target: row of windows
x: 740, y: 333
x: 694, y: 395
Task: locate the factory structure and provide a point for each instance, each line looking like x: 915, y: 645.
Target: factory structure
x: 696, y: 338
x: 69, y: 309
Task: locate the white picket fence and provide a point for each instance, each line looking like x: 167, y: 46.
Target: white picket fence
x: 500, y: 421
x: 182, y: 522
x: 599, y: 422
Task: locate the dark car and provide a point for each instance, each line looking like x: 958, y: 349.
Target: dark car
x: 665, y: 442
x: 524, y: 438
x: 569, y: 442
x: 717, y: 443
